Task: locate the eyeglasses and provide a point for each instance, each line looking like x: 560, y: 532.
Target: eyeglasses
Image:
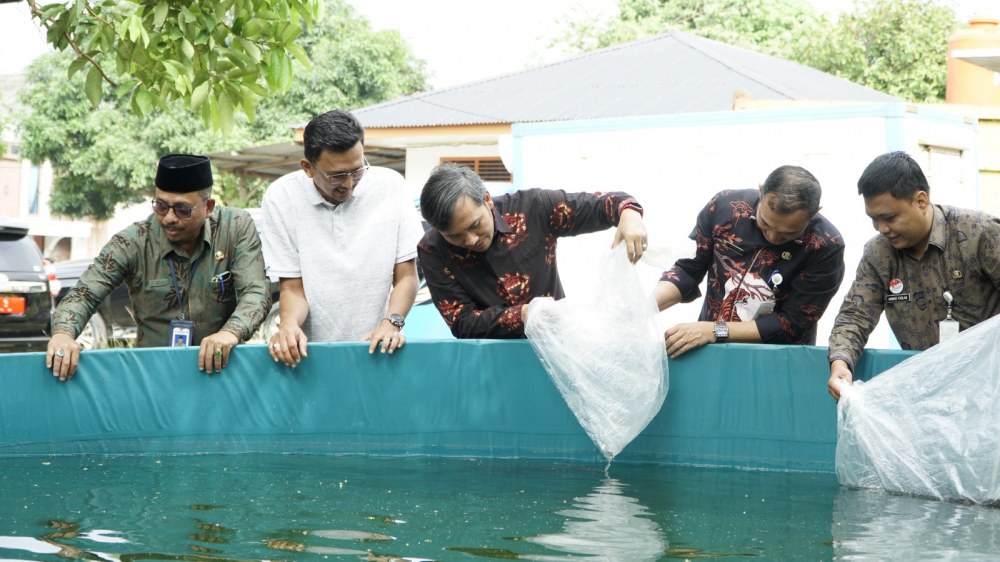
x: 180, y: 211
x: 335, y: 180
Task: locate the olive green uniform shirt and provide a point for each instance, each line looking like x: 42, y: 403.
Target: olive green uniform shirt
x: 139, y: 256
x: 962, y: 256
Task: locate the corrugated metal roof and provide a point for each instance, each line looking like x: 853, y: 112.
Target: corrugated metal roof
x: 671, y: 73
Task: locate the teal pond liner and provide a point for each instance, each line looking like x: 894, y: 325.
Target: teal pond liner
x: 451, y: 450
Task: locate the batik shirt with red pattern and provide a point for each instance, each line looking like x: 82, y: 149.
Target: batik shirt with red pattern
x: 480, y: 294
x: 741, y: 264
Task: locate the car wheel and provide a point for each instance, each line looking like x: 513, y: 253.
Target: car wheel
x: 94, y: 334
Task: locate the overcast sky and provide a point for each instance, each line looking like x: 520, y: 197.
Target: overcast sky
x: 461, y: 40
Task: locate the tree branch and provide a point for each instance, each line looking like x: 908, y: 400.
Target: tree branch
x: 34, y: 10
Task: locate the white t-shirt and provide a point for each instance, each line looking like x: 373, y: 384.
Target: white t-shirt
x: 344, y: 254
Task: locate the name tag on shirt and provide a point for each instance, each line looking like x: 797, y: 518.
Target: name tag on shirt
x: 731, y: 247
x: 889, y: 299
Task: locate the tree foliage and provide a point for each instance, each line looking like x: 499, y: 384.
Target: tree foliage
x: 216, y: 56
x: 896, y: 46
x: 899, y: 47
x: 106, y: 156
x: 775, y: 27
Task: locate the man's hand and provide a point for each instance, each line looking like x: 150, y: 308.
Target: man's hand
x: 839, y: 371
x: 387, y: 334
x: 62, y: 356
x: 288, y: 345
x: 215, y: 350
x: 685, y: 337
x: 632, y: 230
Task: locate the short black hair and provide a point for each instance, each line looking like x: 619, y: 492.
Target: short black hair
x: 895, y: 173
x: 794, y: 189
x: 336, y: 131
x: 449, y: 183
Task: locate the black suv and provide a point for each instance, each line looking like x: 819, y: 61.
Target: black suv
x: 25, y: 300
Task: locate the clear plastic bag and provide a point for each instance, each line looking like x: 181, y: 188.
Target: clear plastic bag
x: 605, y: 353
x: 929, y: 426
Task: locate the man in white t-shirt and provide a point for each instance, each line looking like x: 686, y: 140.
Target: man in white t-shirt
x: 342, y: 238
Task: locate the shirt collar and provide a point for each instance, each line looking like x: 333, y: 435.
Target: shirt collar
x: 499, y: 224
x: 316, y: 198
x: 165, y: 246
x: 939, y: 230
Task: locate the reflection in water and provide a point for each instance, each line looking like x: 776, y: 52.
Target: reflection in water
x: 607, y: 525
x: 875, y: 524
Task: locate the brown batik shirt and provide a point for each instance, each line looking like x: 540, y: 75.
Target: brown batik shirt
x: 480, y: 294
x: 962, y: 256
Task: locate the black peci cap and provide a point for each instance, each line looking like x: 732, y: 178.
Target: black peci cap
x: 184, y: 173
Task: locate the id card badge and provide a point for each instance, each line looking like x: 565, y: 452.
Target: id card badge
x: 947, y: 330
x: 764, y: 309
x: 180, y: 333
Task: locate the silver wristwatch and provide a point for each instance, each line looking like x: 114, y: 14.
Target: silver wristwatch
x: 396, y: 320
x: 721, y: 332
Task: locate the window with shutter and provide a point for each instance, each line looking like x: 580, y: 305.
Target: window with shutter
x: 490, y: 169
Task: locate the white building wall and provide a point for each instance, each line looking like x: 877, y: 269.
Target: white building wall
x: 674, y: 170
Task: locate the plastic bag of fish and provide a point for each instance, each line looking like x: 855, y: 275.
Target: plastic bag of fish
x: 604, y: 353
x: 929, y: 426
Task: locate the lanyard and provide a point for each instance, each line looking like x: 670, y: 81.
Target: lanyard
x: 173, y: 276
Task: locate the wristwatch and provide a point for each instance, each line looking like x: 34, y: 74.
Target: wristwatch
x: 396, y: 320
x: 721, y: 332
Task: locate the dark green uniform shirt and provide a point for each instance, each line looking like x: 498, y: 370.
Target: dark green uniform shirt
x: 139, y: 256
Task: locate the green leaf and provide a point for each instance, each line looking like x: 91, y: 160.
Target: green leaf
x: 239, y: 59
x: 267, y: 15
x: 160, y: 13
x: 291, y: 33
x: 93, y: 87
x: 75, y: 67
x: 125, y: 88
x: 251, y: 29
x: 257, y: 89
x: 226, y: 117
x: 52, y: 10
x: 77, y: 10
x: 284, y: 76
x: 250, y: 49
x: 206, y: 115
x: 214, y: 104
x: 300, y: 55
x: 199, y: 94
x: 144, y: 100
x: 187, y: 48
x: 304, y: 12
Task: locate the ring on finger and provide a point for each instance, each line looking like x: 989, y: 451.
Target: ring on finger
x: 276, y: 346
x: 60, y: 353
x: 218, y: 353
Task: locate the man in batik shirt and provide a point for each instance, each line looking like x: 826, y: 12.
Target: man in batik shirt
x: 920, y: 252
x: 773, y: 264
x: 194, y: 271
x: 486, y: 258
